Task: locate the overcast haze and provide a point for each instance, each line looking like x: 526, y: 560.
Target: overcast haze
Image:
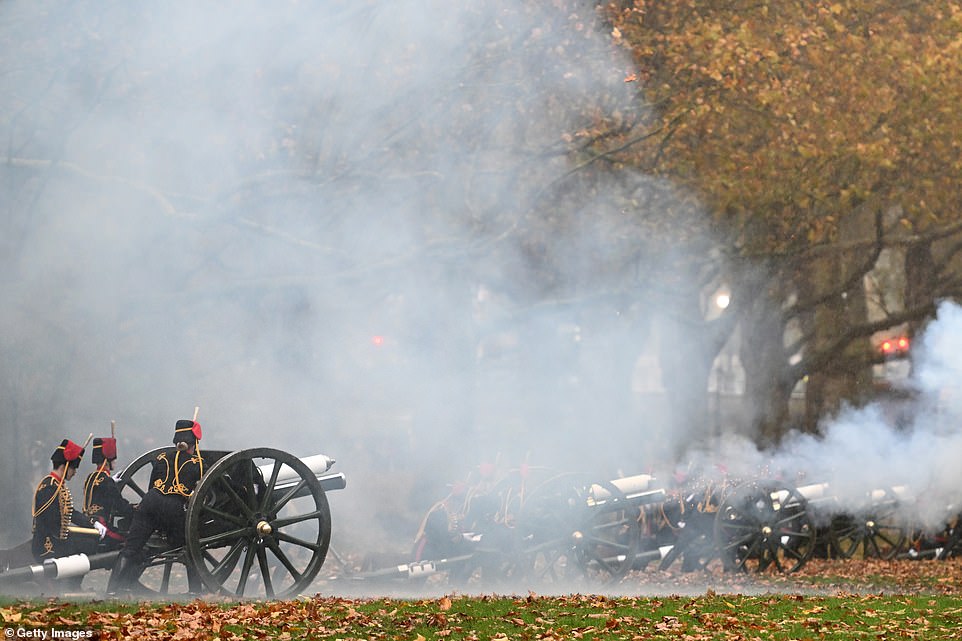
x: 350, y: 228
x: 304, y: 219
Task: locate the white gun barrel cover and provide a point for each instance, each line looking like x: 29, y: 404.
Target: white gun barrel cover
x: 318, y: 464
x: 630, y: 486
x: 823, y: 491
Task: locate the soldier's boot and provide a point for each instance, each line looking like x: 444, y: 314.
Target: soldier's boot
x: 125, y: 572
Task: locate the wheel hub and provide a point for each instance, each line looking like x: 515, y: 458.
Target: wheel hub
x: 263, y: 528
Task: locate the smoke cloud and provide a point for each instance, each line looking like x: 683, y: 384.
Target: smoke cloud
x: 338, y: 227
x: 353, y: 228
x: 903, y: 446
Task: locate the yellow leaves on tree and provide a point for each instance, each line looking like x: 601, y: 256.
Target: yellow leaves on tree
x: 802, y: 109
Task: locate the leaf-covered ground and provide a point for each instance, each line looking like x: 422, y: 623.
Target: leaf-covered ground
x: 826, y: 600
x: 819, y: 576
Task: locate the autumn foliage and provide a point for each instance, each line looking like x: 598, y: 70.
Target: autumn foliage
x: 787, y: 115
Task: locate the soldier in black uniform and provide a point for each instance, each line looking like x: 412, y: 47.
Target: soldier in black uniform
x: 103, y: 502
x: 176, y: 472
x: 53, y: 510
x: 53, y: 513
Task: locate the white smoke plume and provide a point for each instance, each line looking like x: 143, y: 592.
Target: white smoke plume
x: 305, y: 218
x: 906, y: 446
x: 338, y: 227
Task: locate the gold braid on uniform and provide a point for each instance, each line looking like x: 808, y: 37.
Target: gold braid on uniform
x: 177, y: 487
x: 93, y: 481
x: 160, y: 483
x: 66, y: 511
x: 50, y: 501
x: 66, y: 505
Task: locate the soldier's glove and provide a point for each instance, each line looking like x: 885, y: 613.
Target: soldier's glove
x: 101, y: 528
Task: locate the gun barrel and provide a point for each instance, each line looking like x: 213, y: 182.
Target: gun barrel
x: 60, y: 567
x: 897, y: 492
x: 318, y: 464
x: 288, y: 478
x: 823, y: 492
x: 415, y: 569
x: 640, y: 488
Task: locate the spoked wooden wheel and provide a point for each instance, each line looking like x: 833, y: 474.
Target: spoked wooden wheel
x: 876, y: 531
x: 135, y: 479
x: 694, y: 544
x: 571, y: 528
x: 258, y: 525
x: 764, y: 526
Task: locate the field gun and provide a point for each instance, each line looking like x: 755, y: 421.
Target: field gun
x: 258, y: 524
x: 567, y: 526
x: 771, y: 525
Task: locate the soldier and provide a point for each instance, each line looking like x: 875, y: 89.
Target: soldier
x: 53, y: 510
x: 103, y: 502
x: 176, y: 472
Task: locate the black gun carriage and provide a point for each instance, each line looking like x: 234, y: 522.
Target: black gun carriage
x: 258, y: 524
x: 570, y: 529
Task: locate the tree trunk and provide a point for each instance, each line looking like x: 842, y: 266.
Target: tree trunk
x: 763, y: 357
x: 920, y: 277
x: 845, y: 379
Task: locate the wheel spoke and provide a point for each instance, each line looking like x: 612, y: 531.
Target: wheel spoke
x: 132, y: 484
x: 270, y: 486
x: 748, y: 554
x: 791, y: 552
x: 612, y: 524
x: 736, y: 542
x: 300, y: 518
x: 265, y: 572
x: 737, y: 525
x: 603, y: 563
x: 245, y: 570
x: 607, y: 543
x: 288, y: 496
x: 211, y: 541
x: 549, y: 558
x: 227, y: 516
x: 236, y: 497
x: 791, y: 519
x: 547, y: 545
x: 223, y: 569
x: 296, y: 541
x: 285, y: 561
x: 892, y: 542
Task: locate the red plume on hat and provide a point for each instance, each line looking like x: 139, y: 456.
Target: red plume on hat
x: 187, y: 431
x: 67, y: 452
x: 72, y: 451
x: 104, y: 449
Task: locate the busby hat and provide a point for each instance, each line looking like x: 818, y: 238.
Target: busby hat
x: 67, y: 452
x: 187, y: 431
x: 104, y: 449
